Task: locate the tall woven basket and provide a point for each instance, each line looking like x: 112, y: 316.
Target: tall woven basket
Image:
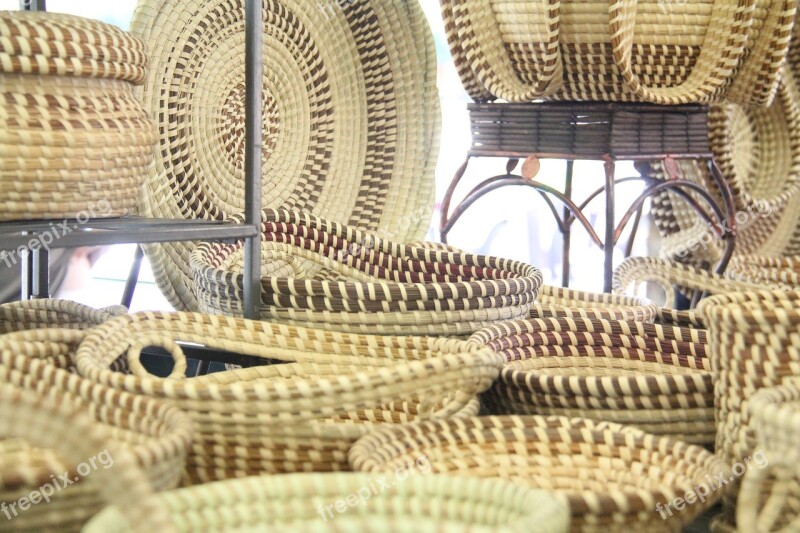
x: 626, y: 50
x: 615, y: 478
x: 302, y: 413
x: 155, y: 435
x: 765, y: 505
x: 351, y: 116
x: 652, y: 376
x: 754, y: 345
x: 326, y: 275
x: 74, y: 141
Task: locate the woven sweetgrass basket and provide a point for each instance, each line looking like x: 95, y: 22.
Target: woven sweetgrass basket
x: 561, y: 302
x: 766, y: 270
x: 73, y: 138
x: 765, y: 506
x: 156, y: 435
x: 652, y: 376
x: 50, y: 313
x: 613, y: 477
x: 351, y: 116
x: 303, y: 414
x: 326, y: 275
x: 630, y: 50
x: 297, y: 502
x: 754, y: 345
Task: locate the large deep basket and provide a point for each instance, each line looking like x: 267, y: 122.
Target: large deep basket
x: 615, y: 478
x: 629, y: 50
x: 754, y: 345
x: 74, y: 141
x: 652, y: 376
x: 326, y: 275
x: 155, y: 434
x: 301, y: 413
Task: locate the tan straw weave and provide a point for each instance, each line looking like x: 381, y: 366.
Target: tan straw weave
x: 321, y: 274
x: 754, y: 344
x: 652, y: 376
x: 762, y: 506
x: 766, y: 270
x: 311, y: 502
x: 656, y: 51
x: 612, y: 476
x: 74, y: 140
x: 156, y: 436
x: 52, y: 313
x: 351, y: 115
x: 303, y: 413
x: 561, y: 302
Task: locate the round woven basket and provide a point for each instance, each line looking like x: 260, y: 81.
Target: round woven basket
x: 351, y: 116
x: 615, y: 478
x: 326, y: 275
x: 627, y: 50
x: 51, y: 313
x: 561, y: 302
x: 74, y: 140
x: 655, y: 377
x: 156, y: 435
x: 754, y: 345
x: 308, y: 502
x: 765, y: 506
x: 766, y: 270
x: 302, y: 412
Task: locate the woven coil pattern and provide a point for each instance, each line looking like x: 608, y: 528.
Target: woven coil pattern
x: 612, y: 476
x: 73, y: 138
x: 775, y: 414
x: 327, y: 275
x: 417, y: 503
x: 754, y: 345
x: 766, y: 270
x: 624, y: 50
x: 560, y: 302
x: 154, y: 434
x: 51, y: 313
x: 303, y: 412
x: 652, y: 376
x: 351, y: 116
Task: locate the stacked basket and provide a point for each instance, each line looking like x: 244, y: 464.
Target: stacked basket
x: 350, y: 112
x: 615, y: 478
x: 653, y: 376
x: 754, y: 345
x: 627, y: 50
x: 157, y: 436
x: 73, y: 138
x: 327, y: 275
x: 303, y: 414
x: 562, y: 302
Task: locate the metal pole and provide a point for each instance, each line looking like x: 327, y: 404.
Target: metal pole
x: 26, y: 275
x: 567, y: 233
x: 608, y: 246
x: 133, y: 278
x: 253, y: 125
x: 40, y: 258
x: 32, y: 5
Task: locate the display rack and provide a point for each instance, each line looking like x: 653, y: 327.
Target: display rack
x: 21, y: 237
x: 607, y: 132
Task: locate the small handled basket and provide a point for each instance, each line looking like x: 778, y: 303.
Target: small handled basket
x: 754, y: 345
x: 561, y: 302
x: 652, y: 376
x: 355, y: 502
x: 775, y: 414
x: 615, y: 478
x: 74, y: 141
x: 72, y: 411
x: 302, y: 414
x: 329, y: 276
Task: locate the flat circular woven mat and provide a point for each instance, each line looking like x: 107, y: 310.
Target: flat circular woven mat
x: 73, y: 138
x: 351, y: 115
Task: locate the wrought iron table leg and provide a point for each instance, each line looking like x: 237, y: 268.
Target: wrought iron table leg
x: 448, y: 198
x: 567, y: 229
x: 133, y: 277
x: 609, y: 241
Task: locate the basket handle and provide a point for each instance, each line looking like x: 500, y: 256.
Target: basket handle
x: 721, y: 56
x: 476, y: 24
